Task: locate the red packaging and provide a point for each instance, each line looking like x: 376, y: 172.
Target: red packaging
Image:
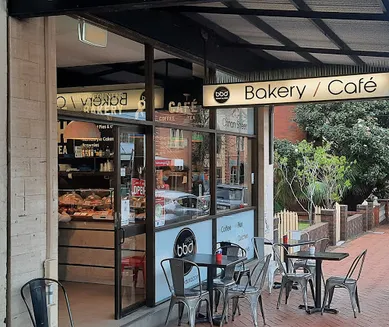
x: 219, y: 257
x: 285, y: 239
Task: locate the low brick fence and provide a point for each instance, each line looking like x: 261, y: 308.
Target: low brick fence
x: 354, y: 226
x: 315, y: 232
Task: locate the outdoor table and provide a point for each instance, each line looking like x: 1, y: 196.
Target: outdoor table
x: 319, y: 257
x: 209, y: 261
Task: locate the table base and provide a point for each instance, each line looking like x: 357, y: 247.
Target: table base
x: 312, y: 309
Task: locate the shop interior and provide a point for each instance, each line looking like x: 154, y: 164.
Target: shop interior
x: 101, y: 165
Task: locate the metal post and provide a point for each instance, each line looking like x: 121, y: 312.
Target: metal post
x: 150, y: 177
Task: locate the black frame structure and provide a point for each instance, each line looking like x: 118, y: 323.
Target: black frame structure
x: 149, y: 126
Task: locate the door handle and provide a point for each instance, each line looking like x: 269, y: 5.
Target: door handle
x: 121, y: 230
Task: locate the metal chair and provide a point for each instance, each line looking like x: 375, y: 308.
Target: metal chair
x: 289, y: 278
x: 253, y: 293
x: 232, y: 274
x: 321, y: 245
x: 38, y: 294
x: 347, y: 282
x: 179, y: 294
x: 258, y: 244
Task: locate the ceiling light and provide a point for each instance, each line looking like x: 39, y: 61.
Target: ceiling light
x: 78, y: 130
x: 92, y: 35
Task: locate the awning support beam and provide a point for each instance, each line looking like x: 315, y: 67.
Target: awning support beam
x: 279, y: 13
x: 310, y: 50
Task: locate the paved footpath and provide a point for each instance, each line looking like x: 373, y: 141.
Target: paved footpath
x: 373, y: 288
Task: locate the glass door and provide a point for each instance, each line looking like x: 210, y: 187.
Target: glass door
x: 130, y: 200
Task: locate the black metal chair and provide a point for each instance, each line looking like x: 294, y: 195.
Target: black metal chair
x: 349, y: 283
x: 38, y: 294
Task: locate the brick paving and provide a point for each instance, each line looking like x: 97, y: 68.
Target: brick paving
x: 373, y: 288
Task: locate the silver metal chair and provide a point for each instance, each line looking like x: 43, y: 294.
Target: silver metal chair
x: 261, y: 242
x: 348, y: 282
x: 250, y: 292
x: 289, y: 278
x: 321, y: 245
x: 232, y: 274
x: 181, y: 295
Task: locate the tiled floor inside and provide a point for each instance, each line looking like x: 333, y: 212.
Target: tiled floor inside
x: 93, y: 304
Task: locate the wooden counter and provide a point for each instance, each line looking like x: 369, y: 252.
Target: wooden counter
x: 87, y: 252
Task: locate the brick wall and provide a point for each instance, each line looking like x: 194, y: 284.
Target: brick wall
x: 3, y: 161
x: 328, y: 215
x: 354, y: 225
x: 33, y: 161
x: 316, y: 231
x: 284, y: 125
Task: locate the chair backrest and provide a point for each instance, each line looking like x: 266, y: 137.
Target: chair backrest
x: 231, y: 249
x: 38, y: 314
x: 277, y: 248
x: 322, y: 244
x: 259, y: 244
x: 259, y: 273
x: 358, y: 262
x: 176, y: 282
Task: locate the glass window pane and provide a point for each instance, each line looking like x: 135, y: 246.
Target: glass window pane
x: 237, y: 120
x: 182, y: 175
x: 233, y: 172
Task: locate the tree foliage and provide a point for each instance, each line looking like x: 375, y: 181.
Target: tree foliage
x: 310, y: 175
x: 357, y: 131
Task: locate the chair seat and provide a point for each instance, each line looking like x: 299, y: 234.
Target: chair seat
x: 240, y: 289
x: 339, y: 280
x: 193, y: 293
x: 221, y: 282
x: 302, y: 263
x: 295, y: 277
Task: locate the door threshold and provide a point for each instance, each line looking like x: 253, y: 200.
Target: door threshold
x: 146, y: 316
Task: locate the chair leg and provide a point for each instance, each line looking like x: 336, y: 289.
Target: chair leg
x: 280, y: 295
x: 270, y: 280
x: 326, y: 293
x: 223, y: 318
x: 180, y: 312
x: 135, y: 276
x: 254, y: 308
x: 262, y: 311
x: 209, y: 312
x: 313, y: 292
x: 305, y: 295
x: 331, y: 295
x: 353, y: 304
x: 192, y: 316
x: 217, y: 299
x: 171, y: 305
x: 288, y: 290
x: 357, y: 299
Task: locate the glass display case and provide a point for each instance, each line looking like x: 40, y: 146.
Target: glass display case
x: 94, y: 204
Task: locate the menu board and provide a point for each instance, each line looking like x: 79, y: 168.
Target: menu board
x: 239, y: 229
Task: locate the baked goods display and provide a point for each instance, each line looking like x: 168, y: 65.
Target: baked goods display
x: 92, y: 204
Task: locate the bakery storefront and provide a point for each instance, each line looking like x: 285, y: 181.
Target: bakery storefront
x: 140, y: 181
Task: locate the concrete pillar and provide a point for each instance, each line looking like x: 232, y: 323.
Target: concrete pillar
x: 265, y: 175
x: 343, y: 221
x: 370, y: 215
x: 329, y: 216
x: 3, y: 161
x: 33, y: 160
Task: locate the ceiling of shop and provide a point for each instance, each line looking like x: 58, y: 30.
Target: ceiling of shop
x: 71, y: 52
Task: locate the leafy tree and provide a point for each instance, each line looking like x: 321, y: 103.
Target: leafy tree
x: 357, y: 131
x: 311, y: 175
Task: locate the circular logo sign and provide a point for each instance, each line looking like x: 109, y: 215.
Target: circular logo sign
x: 143, y: 96
x: 221, y: 94
x: 185, y: 245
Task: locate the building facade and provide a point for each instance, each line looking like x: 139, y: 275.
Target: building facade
x: 29, y: 169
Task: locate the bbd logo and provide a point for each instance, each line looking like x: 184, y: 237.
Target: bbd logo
x: 184, y: 245
x: 221, y: 94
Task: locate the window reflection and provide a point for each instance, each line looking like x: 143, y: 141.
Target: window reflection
x: 233, y: 172
x: 182, y: 175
